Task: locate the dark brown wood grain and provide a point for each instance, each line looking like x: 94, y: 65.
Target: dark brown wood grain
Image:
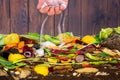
x: 64, y: 23
x: 35, y: 18
x: 119, y: 13
x: 75, y: 17
x: 49, y: 25
x: 19, y: 16
x: 93, y: 16
x: 82, y: 17
x: 112, y: 12
x: 4, y: 16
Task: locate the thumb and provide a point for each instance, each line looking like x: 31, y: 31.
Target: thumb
x: 40, y: 4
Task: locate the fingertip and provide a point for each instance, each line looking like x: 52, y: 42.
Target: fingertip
x: 57, y: 10
x: 50, y: 14
x: 38, y: 6
x: 44, y: 10
x: 51, y: 11
x: 41, y: 10
x: 62, y: 8
x: 66, y: 0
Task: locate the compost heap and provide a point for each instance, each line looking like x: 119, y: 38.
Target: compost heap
x: 23, y: 55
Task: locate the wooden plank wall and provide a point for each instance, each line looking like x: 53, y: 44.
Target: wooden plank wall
x: 82, y: 17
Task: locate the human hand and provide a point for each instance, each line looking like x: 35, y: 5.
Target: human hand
x: 52, y: 7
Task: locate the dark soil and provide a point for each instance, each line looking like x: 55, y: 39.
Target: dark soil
x: 112, y: 71
x: 112, y: 42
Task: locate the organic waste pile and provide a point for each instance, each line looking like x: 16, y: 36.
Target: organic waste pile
x: 24, y: 57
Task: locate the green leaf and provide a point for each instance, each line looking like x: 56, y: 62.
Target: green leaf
x: 103, y: 54
x: 4, y: 62
x: 98, y: 62
x: 1, y: 39
x: 48, y: 51
x: 90, y: 56
x: 27, y: 59
x: 1, y: 58
x: 21, y: 64
x: 73, y: 50
x: 104, y: 33
x: 97, y: 39
x: 34, y: 36
x: 117, y: 30
x: 71, y: 55
x: 52, y: 39
x: 113, y: 62
x: 10, y: 67
x: 68, y: 33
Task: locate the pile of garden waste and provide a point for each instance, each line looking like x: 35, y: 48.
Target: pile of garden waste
x: 23, y: 55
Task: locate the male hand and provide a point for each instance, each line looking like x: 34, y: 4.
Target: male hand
x: 52, y: 7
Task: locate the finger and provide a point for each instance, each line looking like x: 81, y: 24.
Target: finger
x: 45, y: 9
x: 51, y: 11
x: 57, y: 10
x: 40, y: 3
x: 66, y: 1
x: 63, y: 6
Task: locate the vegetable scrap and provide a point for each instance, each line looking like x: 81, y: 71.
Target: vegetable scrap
x: 43, y: 70
x: 60, y: 54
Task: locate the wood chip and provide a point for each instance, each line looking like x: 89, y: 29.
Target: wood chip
x: 3, y: 73
x: 87, y: 70
x: 24, y: 73
x: 108, y: 51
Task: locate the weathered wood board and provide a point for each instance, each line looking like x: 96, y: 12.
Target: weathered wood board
x: 82, y: 17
